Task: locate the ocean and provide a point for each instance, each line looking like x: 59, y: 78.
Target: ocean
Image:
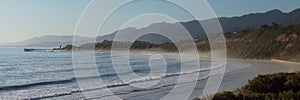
x: 50, y: 75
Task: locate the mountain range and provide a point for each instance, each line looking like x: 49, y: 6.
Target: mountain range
x: 229, y: 24
x: 48, y: 41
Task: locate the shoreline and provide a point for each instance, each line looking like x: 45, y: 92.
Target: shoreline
x: 237, y: 75
x: 238, y: 72
x: 204, y: 55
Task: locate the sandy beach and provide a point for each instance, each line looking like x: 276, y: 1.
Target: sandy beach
x: 238, y: 72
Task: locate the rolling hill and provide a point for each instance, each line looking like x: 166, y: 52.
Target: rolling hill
x: 268, y: 42
x: 229, y: 24
x: 50, y: 41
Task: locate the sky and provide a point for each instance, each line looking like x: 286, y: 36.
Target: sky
x: 24, y: 19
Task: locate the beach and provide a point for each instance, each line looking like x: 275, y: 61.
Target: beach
x: 238, y: 72
x: 50, y: 75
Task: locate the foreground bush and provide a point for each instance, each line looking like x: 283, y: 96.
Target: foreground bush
x: 279, y: 86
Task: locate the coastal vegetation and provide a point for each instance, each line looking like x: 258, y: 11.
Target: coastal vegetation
x: 278, y: 86
x: 267, y: 42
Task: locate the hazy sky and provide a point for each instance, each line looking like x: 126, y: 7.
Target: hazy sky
x: 23, y: 19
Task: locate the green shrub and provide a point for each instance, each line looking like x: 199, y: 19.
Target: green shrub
x: 226, y: 95
x: 278, y: 86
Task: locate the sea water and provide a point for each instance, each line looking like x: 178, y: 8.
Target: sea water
x: 50, y: 75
